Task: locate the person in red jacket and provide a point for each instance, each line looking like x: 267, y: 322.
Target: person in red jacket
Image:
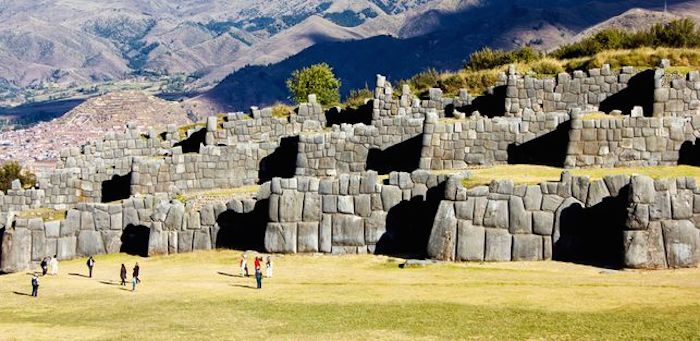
x: 258, y: 273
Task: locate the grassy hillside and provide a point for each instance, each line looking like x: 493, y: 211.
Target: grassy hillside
x: 199, y: 296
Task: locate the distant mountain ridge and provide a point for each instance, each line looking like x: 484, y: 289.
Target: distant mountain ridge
x: 452, y: 35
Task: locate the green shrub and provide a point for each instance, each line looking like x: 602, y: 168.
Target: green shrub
x: 546, y: 67
x: 11, y: 170
x: 677, y: 33
x: 357, y: 97
x: 281, y: 110
x: 488, y: 58
x: 451, y: 84
x: 316, y: 79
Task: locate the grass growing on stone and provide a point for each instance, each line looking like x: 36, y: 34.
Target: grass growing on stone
x: 531, y: 174
x: 198, y: 296
x: 46, y: 214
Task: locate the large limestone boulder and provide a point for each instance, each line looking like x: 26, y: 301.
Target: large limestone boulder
x: 281, y: 237
x: 498, y: 245
x: 185, y: 240
x: 16, y: 250
x: 202, y: 239
x: 375, y: 227
x: 496, y: 214
x: 307, y: 237
x: 66, y: 247
x: 470, y: 241
x: 682, y: 241
x: 644, y: 249
x: 157, y: 240
x: 90, y: 243
x: 443, y: 236
x: 348, y: 230
x: 527, y: 247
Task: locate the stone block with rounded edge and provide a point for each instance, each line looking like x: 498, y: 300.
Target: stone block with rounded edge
x: 307, y: 237
x: 682, y: 242
x: 497, y: 245
x: 348, y: 230
x: 470, y: 241
x: 443, y: 236
x: 281, y: 237
x: 527, y: 247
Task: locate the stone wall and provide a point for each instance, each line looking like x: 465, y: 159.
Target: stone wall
x: 457, y: 143
x: 676, y: 95
x: 566, y: 91
x: 145, y: 226
x: 352, y: 213
x: 617, y: 221
x: 624, y: 141
x: 662, y: 224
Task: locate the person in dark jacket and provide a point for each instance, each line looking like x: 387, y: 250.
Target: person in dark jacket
x: 90, y: 264
x: 122, y: 275
x: 137, y: 271
x: 44, y: 266
x: 35, y: 285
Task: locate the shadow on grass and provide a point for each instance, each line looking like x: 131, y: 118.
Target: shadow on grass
x: 125, y: 289
x: 21, y: 293
x: 243, y: 286
x: 111, y: 282
x: 79, y: 275
x: 227, y: 274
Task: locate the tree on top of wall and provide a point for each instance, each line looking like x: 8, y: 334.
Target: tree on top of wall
x: 316, y: 79
x: 11, y: 170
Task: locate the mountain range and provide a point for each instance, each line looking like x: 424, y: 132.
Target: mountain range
x: 237, y: 53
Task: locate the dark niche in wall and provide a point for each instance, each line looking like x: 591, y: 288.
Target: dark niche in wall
x: 489, y: 104
x: 361, y: 114
x: 116, y: 188
x: 191, y: 144
x: 280, y: 163
x: 547, y: 150
x: 135, y: 240
x: 401, y: 157
x: 593, y: 235
x: 689, y: 154
x: 408, y: 225
x: 639, y: 92
x: 243, y: 231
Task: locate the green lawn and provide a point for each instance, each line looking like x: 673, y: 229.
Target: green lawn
x: 194, y: 297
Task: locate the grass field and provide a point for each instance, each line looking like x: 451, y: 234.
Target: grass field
x: 198, y: 296
x: 532, y: 174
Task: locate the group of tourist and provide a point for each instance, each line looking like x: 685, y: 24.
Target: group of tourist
x: 49, y: 265
x: 258, y: 271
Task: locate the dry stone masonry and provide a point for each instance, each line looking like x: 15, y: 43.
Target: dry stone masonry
x: 377, y: 179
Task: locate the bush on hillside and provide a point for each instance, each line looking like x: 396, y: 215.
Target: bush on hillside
x: 11, y: 170
x: 316, y: 79
x: 546, y: 67
x: 357, y: 97
x: 488, y: 58
x: 677, y: 33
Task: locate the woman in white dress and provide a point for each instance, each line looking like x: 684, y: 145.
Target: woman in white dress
x: 53, y: 266
x: 268, y: 267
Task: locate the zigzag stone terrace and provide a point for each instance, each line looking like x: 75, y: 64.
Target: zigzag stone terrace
x: 387, y: 178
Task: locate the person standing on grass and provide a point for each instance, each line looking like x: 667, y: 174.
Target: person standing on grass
x: 137, y: 272
x: 244, y: 265
x: 122, y: 275
x: 268, y: 267
x: 35, y: 285
x: 90, y: 264
x: 53, y: 265
x: 44, y: 266
x: 135, y: 280
x: 258, y: 273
